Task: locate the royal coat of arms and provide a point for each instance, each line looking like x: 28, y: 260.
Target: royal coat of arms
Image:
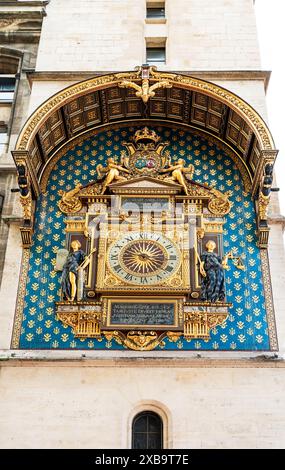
x: 145, y: 153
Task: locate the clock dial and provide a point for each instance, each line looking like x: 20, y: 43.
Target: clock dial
x: 144, y: 258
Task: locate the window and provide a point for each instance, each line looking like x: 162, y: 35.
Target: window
x: 152, y: 12
x: 1, y: 202
x: 3, y: 138
x: 155, y: 55
x: 147, y: 431
x: 7, y: 87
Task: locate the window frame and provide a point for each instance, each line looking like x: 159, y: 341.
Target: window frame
x: 160, y: 432
x: 149, y: 8
x: 157, y: 48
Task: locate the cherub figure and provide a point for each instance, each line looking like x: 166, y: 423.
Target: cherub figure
x: 112, y: 171
x: 178, y: 171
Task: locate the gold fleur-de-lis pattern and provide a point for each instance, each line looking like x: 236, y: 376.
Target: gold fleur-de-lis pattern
x: 246, y: 327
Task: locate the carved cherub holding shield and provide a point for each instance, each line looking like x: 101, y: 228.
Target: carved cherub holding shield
x: 112, y: 172
x: 178, y: 170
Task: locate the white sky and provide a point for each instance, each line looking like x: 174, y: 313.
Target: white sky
x: 270, y: 17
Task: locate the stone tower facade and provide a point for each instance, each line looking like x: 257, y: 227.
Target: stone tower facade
x: 208, y: 394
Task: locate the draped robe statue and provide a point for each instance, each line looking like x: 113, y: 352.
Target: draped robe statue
x: 74, y: 262
x: 212, y: 271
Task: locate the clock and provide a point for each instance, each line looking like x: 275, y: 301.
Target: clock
x: 143, y: 258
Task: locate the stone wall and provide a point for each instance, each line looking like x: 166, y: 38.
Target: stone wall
x: 20, y: 29
x: 110, y: 35
x: 88, y: 405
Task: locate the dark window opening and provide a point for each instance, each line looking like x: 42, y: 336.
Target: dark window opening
x: 147, y: 431
x: 152, y: 12
x: 155, y: 55
x: 7, y: 84
x: 7, y: 87
x: 1, y: 202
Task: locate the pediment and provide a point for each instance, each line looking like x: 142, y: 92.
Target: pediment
x: 145, y: 184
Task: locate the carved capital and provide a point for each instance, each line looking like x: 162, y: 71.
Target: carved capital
x: 266, y: 156
x: 24, y: 156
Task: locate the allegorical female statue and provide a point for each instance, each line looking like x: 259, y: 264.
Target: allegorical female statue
x: 76, y: 261
x: 212, y: 270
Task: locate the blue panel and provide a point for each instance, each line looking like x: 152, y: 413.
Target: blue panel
x: 246, y: 327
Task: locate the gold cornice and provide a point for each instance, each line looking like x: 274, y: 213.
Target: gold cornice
x: 40, y: 115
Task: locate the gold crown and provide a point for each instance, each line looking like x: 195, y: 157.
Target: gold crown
x: 146, y: 134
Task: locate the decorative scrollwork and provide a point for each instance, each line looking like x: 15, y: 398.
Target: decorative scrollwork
x: 219, y: 205
x: 70, y: 202
x: 26, y: 202
x: 145, y: 91
x: 85, y: 324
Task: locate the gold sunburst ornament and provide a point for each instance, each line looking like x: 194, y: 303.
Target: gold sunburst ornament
x: 144, y: 258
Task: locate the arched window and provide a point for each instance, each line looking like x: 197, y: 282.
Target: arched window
x: 147, y: 431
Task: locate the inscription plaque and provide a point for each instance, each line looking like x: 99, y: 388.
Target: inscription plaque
x: 145, y: 204
x: 137, y: 313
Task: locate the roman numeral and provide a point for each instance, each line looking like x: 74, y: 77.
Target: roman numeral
x: 168, y: 269
x: 117, y: 268
x: 128, y: 277
x: 143, y: 280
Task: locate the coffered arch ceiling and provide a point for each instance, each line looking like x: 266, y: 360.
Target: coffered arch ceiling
x: 101, y: 101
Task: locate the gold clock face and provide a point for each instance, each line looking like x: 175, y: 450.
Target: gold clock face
x: 143, y: 258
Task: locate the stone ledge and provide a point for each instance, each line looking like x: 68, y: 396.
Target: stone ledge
x: 137, y: 359
x: 277, y: 220
x: 19, y: 5
x: 263, y: 75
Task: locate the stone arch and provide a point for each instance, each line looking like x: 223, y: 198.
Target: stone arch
x: 161, y: 410
x: 245, y: 110
x: 107, y: 100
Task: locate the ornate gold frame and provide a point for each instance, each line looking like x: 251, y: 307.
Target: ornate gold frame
x: 265, y: 267
x: 107, y: 304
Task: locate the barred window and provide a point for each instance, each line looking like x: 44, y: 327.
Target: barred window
x: 147, y: 431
